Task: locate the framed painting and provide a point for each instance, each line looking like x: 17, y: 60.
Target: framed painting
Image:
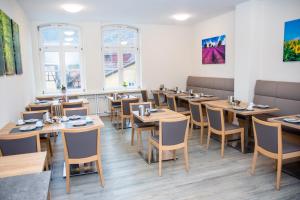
x: 291, y: 45
x: 2, y: 61
x: 213, y: 50
x: 17, y: 49
x: 8, y: 48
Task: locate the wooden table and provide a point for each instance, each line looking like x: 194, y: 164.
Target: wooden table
x: 22, y: 164
x: 198, y: 99
x: 284, y: 123
x: 118, y: 100
x: 241, y: 115
x: 155, y: 117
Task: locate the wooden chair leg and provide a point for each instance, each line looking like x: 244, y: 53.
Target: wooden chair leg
x: 278, y: 178
x: 149, y: 152
x: 100, y: 172
x: 68, y: 177
x: 139, y: 140
x: 122, y: 124
x: 132, y: 136
x: 186, y: 158
x: 201, y: 134
x: 174, y: 154
x: 243, y: 141
x: 255, y: 154
x: 222, y: 145
x: 208, y: 138
x: 111, y: 115
x: 159, y: 162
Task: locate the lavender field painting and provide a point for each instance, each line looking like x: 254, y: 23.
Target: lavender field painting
x: 213, y: 50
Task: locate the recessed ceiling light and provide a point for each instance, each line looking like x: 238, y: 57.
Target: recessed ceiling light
x: 124, y: 43
x: 72, y: 8
x: 69, y: 39
x: 181, y: 16
x: 69, y: 33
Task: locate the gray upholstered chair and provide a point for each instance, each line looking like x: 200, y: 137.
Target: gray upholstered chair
x: 34, y: 115
x: 76, y: 111
x: 197, y: 118
x: 37, y: 107
x: 173, y: 135
x: 172, y: 105
x: 269, y: 142
x: 13, y: 144
x: 217, y: 125
x: 82, y: 145
x: 138, y: 125
x: 125, y: 109
x: 77, y: 104
x: 157, y: 101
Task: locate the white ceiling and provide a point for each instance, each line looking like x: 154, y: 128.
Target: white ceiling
x: 128, y: 11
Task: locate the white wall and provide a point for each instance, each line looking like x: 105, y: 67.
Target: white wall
x: 220, y: 25
x: 18, y: 90
x: 166, y: 55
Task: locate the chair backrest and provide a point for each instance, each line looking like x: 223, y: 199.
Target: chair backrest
x: 156, y: 98
x: 75, y: 111
x: 215, y: 118
x: 196, y: 112
x: 81, y: 142
x: 125, y: 105
x: 13, y: 144
x: 33, y: 114
x: 72, y: 104
x: 73, y: 97
x: 45, y: 98
x: 171, y: 101
x: 135, y: 107
x: 267, y: 135
x: 173, y: 131
x: 36, y: 107
x: 144, y: 95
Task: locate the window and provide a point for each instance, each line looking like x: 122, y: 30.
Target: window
x: 60, y: 49
x: 120, y: 53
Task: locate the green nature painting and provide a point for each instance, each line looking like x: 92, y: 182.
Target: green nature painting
x: 2, y: 62
x: 291, y: 48
x: 17, y: 49
x: 8, y: 46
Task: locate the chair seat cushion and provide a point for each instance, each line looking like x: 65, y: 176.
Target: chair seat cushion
x: 229, y: 127
x: 288, y: 147
x: 143, y: 125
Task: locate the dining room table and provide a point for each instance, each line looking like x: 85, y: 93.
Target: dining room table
x: 243, y: 114
x: 155, y: 116
x: 55, y: 127
x: 199, y: 98
x: 22, y: 164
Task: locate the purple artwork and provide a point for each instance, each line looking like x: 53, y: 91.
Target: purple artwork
x: 213, y: 50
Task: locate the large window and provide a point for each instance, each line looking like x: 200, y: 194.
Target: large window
x: 120, y: 51
x: 60, y: 48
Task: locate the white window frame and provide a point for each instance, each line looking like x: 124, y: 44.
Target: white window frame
x: 61, y: 49
x: 120, y: 50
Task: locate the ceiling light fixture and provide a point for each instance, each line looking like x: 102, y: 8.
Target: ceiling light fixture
x: 69, y: 33
x: 124, y: 43
x: 69, y: 39
x: 72, y: 8
x: 181, y: 16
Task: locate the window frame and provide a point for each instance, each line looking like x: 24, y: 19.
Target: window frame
x: 120, y: 50
x: 61, y: 49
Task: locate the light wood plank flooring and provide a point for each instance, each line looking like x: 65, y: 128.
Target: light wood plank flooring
x: 128, y: 176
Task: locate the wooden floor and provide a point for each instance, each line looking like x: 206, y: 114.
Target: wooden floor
x: 128, y: 176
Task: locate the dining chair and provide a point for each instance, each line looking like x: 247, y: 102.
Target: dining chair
x: 77, y: 104
x: 145, y: 97
x: 269, y: 142
x: 82, y: 145
x: 172, y: 105
x: 197, y: 118
x: 37, y: 107
x: 218, y: 126
x: 138, y: 125
x: 13, y: 144
x: 83, y: 111
x: 125, y: 110
x: 115, y: 109
x: 44, y: 138
x: 157, y: 101
x: 70, y: 97
x: 173, y: 135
